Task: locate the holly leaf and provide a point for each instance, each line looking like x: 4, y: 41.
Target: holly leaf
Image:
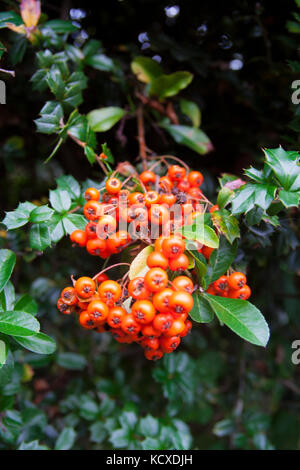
x: 289, y: 198
x: 285, y: 166
x: 250, y: 195
x: 226, y: 223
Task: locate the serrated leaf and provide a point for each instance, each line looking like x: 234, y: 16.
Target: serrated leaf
x: 145, y: 69
x: 201, y: 311
x: 18, y: 324
x: 19, y: 217
x: 7, y: 264
x: 251, y: 194
x: 138, y: 267
x: 38, y: 343
x: 226, y: 223
x: 41, y: 214
x: 39, y: 237
x: 165, y: 86
x: 60, y: 200
x: 224, y: 197
x: 289, y: 198
x: 241, y: 317
x: 191, y: 137
x: 285, y: 166
x: 74, y: 222
x: 101, y: 120
x: 51, y: 115
x: 69, y: 184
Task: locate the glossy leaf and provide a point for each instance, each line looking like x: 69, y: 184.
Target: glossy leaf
x: 41, y: 214
x: 201, y: 233
x: 38, y: 343
x: 60, y: 200
x: 191, y: 137
x: 192, y: 110
x: 226, y: 223
x: 241, y: 317
x: 26, y: 304
x: 66, y: 439
x: 39, y: 237
x: 18, y: 324
x: 7, y: 264
x: 220, y: 260
x: 101, y: 120
x: 145, y: 69
x: 165, y: 86
x: 201, y: 311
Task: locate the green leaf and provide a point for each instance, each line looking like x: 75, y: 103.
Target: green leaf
x: 224, y: 197
x: 69, y: 184
x: 200, y: 264
x: 192, y: 110
x: 226, y: 223
x: 79, y: 128
x: 10, y: 17
x: 285, y: 166
x: 61, y: 26
x: 191, y: 137
x: 60, y: 200
x: 56, y: 228
x: 26, y: 304
x: 289, y: 198
x: 138, y: 266
x: 165, y: 86
x: 201, y: 311
x: 66, y: 439
x: 39, y: 343
x: 74, y: 222
x: 201, y: 233
x: 3, y: 353
x: 220, y: 260
x: 7, y: 297
x: 18, y: 324
x: 7, y: 264
x: 106, y: 150
x: 90, y: 154
x: 149, y: 426
x: 145, y: 69
x: 241, y: 317
x: 101, y: 62
x: 101, y: 120
x: 251, y: 194
x: 51, y: 115
x: 41, y: 214
x: 39, y: 237
x: 71, y: 361
x: 19, y: 216
x: 98, y: 432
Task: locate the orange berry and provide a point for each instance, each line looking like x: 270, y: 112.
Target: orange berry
x: 156, y: 279
x: 237, y: 280
x: 85, y: 287
x: 79, y: 237
x: 143, y: 311
x: 92, y: 194
x: 113, y: 185
x: 195, y: 178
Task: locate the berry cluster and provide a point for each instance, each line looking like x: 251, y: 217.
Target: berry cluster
x: 119, y: 215
x: 158, y: 316
x: 233, y: 286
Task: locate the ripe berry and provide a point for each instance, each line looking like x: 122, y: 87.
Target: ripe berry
x: 143, y: 311
x: 195, y: 178
x: 206, y: 251
x: 98, y: 311
x: 106, y: 226
x: 101, y: 278
x: 79, y: 237
x: 183, y: 283
x: 183, y: 185
x: 169, y: 345
x: 85, y: 287
x: 156, y: 279
x: 129, y: 325
x: 187, y: 328
x: 136, y: 198
x: 118, y: 241
x: 150, y: 343
x: 63, y: 307
x: 243, y: 293
x: 157, y: 260
x: 173, y: 246
x: 221, y: 284
x: 163, y: 321
x: 115, y: 316
x: 195, y: 193
x: 161, y: 300
x: 158, y: 214
x: 180, y: 263
x: 166, y: 184
x: 96, y: 246
x: 214, y: 208
x: 149, y: 330
x: 181, y: 302
x: 68, y: 296
x: 237, y: 280
x: 90, y: 230
x: 109, y: 292
x: 177, y: 328
x: 86, y: 321
x: 151, y: 197
x: 113, y: 185
x: 176, y: 173
x: 154, y: 355
x: 158, y: 243
x: 138, y: 290
x: 92, y: 194
x: 93, y: 210
x: 148, y: 177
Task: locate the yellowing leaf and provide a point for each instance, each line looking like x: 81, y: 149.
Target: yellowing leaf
x: 30, y: 12
x: 139, y: 264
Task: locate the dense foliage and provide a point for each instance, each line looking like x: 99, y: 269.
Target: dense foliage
x: 103, y: 101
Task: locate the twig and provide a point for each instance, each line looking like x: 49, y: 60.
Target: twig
x: 141, y: 136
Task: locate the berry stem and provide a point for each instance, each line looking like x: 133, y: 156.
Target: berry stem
x: 141, y: 136
x: 110, y: 267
